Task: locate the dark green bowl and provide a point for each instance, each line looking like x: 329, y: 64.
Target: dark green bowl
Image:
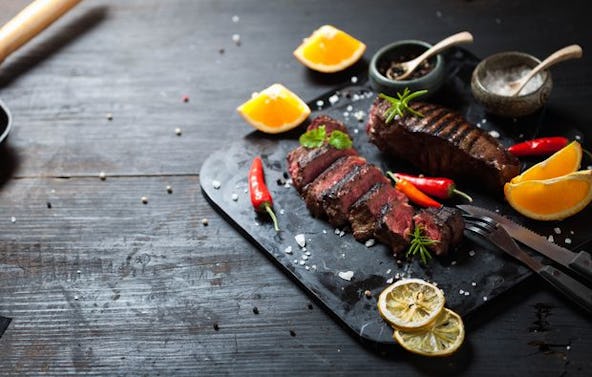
x: 432, y: 81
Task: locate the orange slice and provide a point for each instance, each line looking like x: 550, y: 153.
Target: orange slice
x: 565, y: 161
x: 274, y: 110
x: 329, y: 49
x: 551, y: 199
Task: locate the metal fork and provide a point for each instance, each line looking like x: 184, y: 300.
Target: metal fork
x: 488, y: 229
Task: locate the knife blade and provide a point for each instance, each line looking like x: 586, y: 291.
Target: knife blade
x: 579, y: 262
x: 573, y: 289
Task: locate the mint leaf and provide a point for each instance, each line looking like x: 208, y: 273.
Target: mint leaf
x: 313, y: 138
x: 340, y: 140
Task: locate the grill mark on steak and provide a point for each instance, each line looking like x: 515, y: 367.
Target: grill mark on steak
x: 449, y: 146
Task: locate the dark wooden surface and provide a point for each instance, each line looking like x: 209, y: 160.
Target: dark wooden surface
x: 101, y: 284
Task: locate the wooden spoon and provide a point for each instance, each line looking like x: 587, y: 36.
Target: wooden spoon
x: 566, y: 53
x: 409, y: 66
x: 29, y: 22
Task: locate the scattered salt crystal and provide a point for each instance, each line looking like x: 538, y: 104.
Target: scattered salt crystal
x: 370, y: 242
x: 320, y: 103
x: 337, y: 231
x: 236, y: 39
x: 324, y: 231
x: 75, y: 297
x: 345, y: 114
x: 346, y: 275
x: 359, y: 115
x: 438, y: 14
x: 282, y: 211
x: 307, y: 253
x: 204, y: 222
x: 13, y: 219
x: 571, y: 232
x: 349, y: 108
x: 304, y: 249
x: 307, y: 268
x: 356, y: 130
x: 302, y: 262
x: 472, y: 253
x: 461, y: 291
x: 314, y: 267
x: 484, y: 298
x: 551, y: 239
x: 235, y: 197
x: 474, y: 284
x: 288, y: 250
x: 388, y: 271
x: 235, y: 19
x: 295, y: 261
x: 333, y: 99
x: 467, y: 293
x: 494, y: 133
x: 568, y: 347
x: 342, y: 233
x: 568, y: 241
x: 578, y: 137
x: 305, y: 257
x: 178, y: 131
x: 453, y: 263
x: 102, y: 176
x: 300, y: 240
x: 216, y: 184
x: 389, y: 280
x: 354, y: 79
x: 557, y: 230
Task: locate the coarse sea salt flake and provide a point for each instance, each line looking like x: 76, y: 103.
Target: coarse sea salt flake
x: 389, y: 280
x: 320, y: 103
x: 216, y: 184
x: 370, y: 242
x: 288, y: 250
x: 568, y: 241
x: 550, y: 238
x: 300, y: 240
x: 557, y: 230
x: 333, y: 99
x: 235, y: 197
x: 494, y: 133
x: 346, y: 275
x: 354, y: 79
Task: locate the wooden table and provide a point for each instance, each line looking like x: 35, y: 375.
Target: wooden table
x: 99, y: 283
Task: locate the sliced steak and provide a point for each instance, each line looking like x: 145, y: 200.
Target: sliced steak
x: 305, y: 164
x: 316, y: 192
x: 366, y: 213
x: 443, y: 143
x: 338, y: 200
x: 444, y: 225
x: 395, y: 225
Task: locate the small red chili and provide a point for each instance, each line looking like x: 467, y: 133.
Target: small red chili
x: 439, y: 187
x: 413, y: 192
x: 260, y: 195
x: 538, y: 147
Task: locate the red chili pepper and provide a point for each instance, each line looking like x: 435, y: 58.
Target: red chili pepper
x: 439, y: 187
x: 260, y: 196
x: 413, y: 192
x: 539, y: 147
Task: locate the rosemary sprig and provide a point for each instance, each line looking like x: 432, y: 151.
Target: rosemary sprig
x: 419, y: 244
x: 400, y: 105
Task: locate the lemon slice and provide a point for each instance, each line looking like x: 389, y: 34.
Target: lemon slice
x: 274, y: 110
x: 551, y: 199
x: 410, y: 304
x: 565, y: 161
x: 441, y: 338
x: 329, y: 49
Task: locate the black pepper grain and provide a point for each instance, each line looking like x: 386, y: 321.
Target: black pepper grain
x: 216, y: 327
x: 255, y: 310
x: 48, y: 205
x: 292, y: 333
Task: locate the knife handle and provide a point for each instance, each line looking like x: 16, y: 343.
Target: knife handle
x: 582, y: 264
x: 573, y: 289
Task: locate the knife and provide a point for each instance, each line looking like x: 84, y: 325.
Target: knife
x: 579, y: 262
x: 570, y: 287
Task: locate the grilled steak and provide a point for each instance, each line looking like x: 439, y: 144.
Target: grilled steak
x: 444, y: 225
x: 345, y: 189
x: 443, y: 143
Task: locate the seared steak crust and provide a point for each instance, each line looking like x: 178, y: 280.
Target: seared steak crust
x: 443, y: 143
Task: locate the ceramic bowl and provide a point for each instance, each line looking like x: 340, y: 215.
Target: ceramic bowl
x: 383, y: 84
x: 504, y: 105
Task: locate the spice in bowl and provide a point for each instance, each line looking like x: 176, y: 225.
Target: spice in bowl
x: 498, y: 80
x: 392, y: 68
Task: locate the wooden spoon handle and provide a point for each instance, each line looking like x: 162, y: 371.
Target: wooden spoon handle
x: 455, y: 39
x: 30, y: 22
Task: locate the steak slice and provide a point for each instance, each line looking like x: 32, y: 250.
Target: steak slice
x: 365, y: 213
x: 444, y: 225
x: 395, y: 225
x: 305, y: 164
x: 315, y: 192
x: 443, y: 143
x: 338, y: 200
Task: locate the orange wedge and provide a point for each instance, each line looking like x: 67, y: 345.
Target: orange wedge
x: 329, y: 49
x: 551, y: 199
x: 274, y: 110
x: 565, y: 161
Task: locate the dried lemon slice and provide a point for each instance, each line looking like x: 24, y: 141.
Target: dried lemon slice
x: 275, y: 109
x: 442, y: 337
x: 410, y: 304
x: 329, y: 49
x: 551, y: 199
x: 564, y: 161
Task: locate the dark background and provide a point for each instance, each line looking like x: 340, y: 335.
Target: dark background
x: 101, y: 284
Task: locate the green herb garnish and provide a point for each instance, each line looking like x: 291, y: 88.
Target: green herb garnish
x: 339, y: 140
x: 419, y: 244
x: 318, y: 136
x: 400, y: 105
x: 313, y: 138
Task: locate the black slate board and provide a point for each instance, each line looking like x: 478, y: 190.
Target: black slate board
x: 470, y: 277
x: 4, y: 322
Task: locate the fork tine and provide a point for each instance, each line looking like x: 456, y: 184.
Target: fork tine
x: 482, y: 221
